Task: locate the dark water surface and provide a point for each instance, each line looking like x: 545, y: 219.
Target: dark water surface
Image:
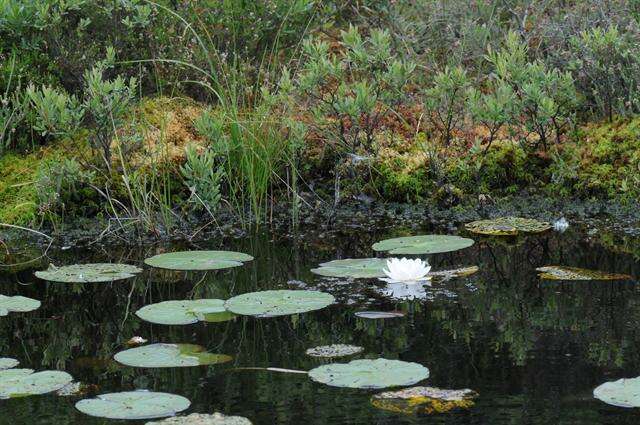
x: 533, y: 350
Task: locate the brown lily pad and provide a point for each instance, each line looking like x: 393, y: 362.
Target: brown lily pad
x: 424, y: 400
x: 575, y: 273
x: 507, y: 226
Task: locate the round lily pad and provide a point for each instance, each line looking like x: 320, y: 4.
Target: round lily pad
x: 454, y: 274
x: 8, y: 363
x: 378, y: 314
x: 335, y: 350
x: 198, y: 260
x: 133, y: 405
x: 23, y: 382
x: 424, y: 244
x: 278, y: 302
x: 507, y: 226
x: 363, y: 268
x: 169, y: 355
x: 89, y: 273
x: 203, y: 419
x: 379, y: 373
x: 185, y: 312
x: 17, y: 304
x: 424, y: 400
x: 574, y: 273
x: 620, y: 393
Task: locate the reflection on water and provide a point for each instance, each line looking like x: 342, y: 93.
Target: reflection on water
x: 533, y: 350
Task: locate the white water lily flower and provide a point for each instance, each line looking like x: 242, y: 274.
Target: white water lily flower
x: 406, y: 270
x: 561, y: 225
x: 136, y: 340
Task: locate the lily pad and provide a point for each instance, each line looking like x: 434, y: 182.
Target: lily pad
x: 424, y: 400
x: 620, y: 393
x: 379, y: 373
x: 8, y: 363
x: 185, y: 312
x: 17, y: 304
x: 507, y: 226
x: 335, y: 350
x: 24, y: 382
x: 358, y: 268
x: 198, y: 260
x: 89, y: 273
x: 424, y: 244
x: 278, y: 302
x: 133, y: 405
x: 203, y: 419
x: 379, y: 314
x: 169, y: 355
x: 454, y: 274
x: 574, y: 273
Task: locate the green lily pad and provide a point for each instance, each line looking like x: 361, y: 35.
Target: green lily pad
x: 185, y: 312
x: 620, y: 393
x: 379, y: 373
x: 507, y: 226
x: 133, y: 405
x: 335, y: 350
x: 424, y: 400
x: 203, y: 419
x: 169, y: 355
x: 574, y: 273
x: 278, y: 302
x: 198, y: 260
x: 8, y: 363
x: 424, y: 244
x: 23, y: 382
x: 358, y: 268
x: 89, y: 273
x: 17, y: 304
x: 454, y: 274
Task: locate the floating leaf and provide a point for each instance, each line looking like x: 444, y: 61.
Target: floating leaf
x: 363, y: 268
x: 507, y: 226
x: 379, y: 373
x: 8, y: 363
x: 76, y: 389
x: 133, y: 405
x: 185, y: 312
x: 169, y: 355
x: 17, y: 304
x: 574, y: 273
x: 89, y: 273
x: 620, y: 393
x: 278, y: 302
x: 335, y: 350
x: 379, y: 314
x: 424, y: 244
x: 23, y: 382
x: 198, y: 260
x: 424, y: 400
x: 202, y: 419
x: 454, y: 274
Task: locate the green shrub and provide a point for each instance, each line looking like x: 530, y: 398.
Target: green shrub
x: 445, y: 102
x: 203, y: 176
x: 57, y: 114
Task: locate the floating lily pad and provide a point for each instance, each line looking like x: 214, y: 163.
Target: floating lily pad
x: 23, y: 382
x: 202, y: 419
x: 169, y: 355
x: 198, y: 260
x: 185, y: 312
x: 7, y: 363
x: 379, y: 373
x: 335, y: 350
x: 620, y: 393
x: 278, y: 302
x: 379, y: 314
x: 574, y: 273
x: 507, y: 226
x: 454, y: 274
x: 424, y: 400
x: 17, y: 304
x: 89, y: 273
x: 133, y: 405
x: 358, y: 268
x: 74, y: 389
x: 424, y: 244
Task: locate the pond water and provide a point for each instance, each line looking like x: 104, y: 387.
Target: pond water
x: 533, y: 350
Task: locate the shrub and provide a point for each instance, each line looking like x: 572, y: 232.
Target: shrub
x: 57, y: 114
x: 203, y: 176
x: 445, y: 102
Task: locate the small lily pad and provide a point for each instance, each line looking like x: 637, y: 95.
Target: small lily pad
x: 454, y: 274
x: 379, y: 314
x: 574, y: 273
x: 203, y: 419
x: 424, y: 400
x: 185, y: 312
x: 278, y: 302
x: 379, y: 373
x: 8, y: 363
x: 358, y: 268
x: 89, y: 273
x: 169, y: 355
x: 423, y: 244
x: 198, y: 260
x: 133, y: 405
x: 335, y: 350
x: 24, y: 382
x: 507, y: 226
x: 17, y: 304
x: 620, y: 393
